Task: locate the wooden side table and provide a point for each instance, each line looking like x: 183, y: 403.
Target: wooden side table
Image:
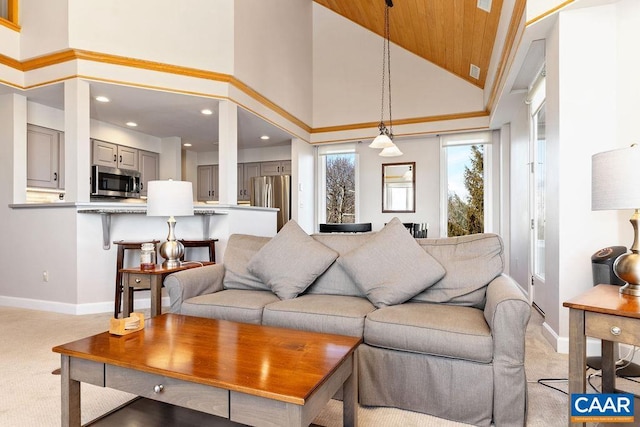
x: 601, y: 312
x: 136, y: 278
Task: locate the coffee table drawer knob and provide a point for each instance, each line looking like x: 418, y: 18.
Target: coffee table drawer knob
x: 158, y: 389
x: 616, y: 330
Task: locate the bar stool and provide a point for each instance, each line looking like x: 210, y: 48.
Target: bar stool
x: 210, y: 243
x: 122, y: 247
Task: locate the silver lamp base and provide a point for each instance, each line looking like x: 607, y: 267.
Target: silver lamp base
x: 627, y: 266
x: 171, y: 250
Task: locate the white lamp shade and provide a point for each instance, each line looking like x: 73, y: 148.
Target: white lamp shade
x: 614, y: 179
x: 169, y: 198
x: 381, y: 141
x: 392, y: 151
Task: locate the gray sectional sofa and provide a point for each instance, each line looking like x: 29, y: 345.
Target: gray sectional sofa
x: 443, y: 327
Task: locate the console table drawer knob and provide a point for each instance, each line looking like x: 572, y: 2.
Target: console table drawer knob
x: 158, y: 389
x: 616, y: 330
x: 138, y: 280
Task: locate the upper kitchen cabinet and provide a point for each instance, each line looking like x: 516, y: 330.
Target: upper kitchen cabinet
x: 45, y: 157
x: 114, y: 155
x: 149, y: 164
x: 282, y: 167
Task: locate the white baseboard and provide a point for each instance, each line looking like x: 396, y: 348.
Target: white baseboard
x: 76, y: 309
x: 561, y: 344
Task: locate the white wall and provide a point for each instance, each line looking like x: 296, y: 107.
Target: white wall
x: 45, y: 17
x: 303, y: 197
x: 426, y: 153
x: 197, y: 33
x: 347, y: 72
x: 273, y: 42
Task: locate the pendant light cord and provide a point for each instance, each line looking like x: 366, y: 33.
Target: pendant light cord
x: 388, y: 45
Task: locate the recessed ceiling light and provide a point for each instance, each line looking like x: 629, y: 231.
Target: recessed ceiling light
x: 264, y: 137
x: 186, y: 144
x: 132, y: 124
x: 207, y: 112
x: 102, y: 99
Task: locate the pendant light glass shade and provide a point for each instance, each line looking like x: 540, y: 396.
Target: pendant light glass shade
x: 381, y: 141
x: 392, y: 151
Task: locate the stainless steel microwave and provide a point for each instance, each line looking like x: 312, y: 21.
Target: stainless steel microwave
x: 114, y: 182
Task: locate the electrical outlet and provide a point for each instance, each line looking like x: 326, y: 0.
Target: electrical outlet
x: 45, y: 276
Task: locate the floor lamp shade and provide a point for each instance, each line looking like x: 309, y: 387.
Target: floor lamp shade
x: 170, y: 199
x: 614, y: 186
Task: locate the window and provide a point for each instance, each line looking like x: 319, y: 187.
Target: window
x: 9, y: 10
x: 337, y: 170
x: 465, y: 159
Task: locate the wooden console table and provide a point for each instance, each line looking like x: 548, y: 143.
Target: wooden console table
x: 601, y: 312
x: 152, y: 280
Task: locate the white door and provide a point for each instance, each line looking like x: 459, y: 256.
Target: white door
x: 539, y: 293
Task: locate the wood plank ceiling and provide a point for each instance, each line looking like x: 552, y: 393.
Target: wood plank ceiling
x: 453, y: 34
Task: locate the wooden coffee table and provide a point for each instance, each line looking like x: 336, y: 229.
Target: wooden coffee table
x: 250, y: 374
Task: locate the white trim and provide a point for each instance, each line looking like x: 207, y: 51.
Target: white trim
x: 77, y: 309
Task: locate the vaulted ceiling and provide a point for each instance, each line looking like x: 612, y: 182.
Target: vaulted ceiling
x: 453, y: 34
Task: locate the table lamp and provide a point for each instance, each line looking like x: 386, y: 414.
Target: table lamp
x: 614, y: 185
x: 170, y: 198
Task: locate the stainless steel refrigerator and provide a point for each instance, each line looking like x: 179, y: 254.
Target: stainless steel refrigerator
x: 273, y: 192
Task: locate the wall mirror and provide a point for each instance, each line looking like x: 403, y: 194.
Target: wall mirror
x: 399, y: 187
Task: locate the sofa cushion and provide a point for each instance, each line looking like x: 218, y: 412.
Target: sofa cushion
x: 438, y: 329
x: 331, y: 314
x: 291, y: 261
x: 336, y: 281
x: 240, y: 249
x: 391, y: 267
x: 471, y: 263
x: 233, y: 304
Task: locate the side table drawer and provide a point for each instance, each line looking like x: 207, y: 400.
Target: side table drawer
x: 139, y: 280
x: 612, y: 328
x: 186, y: 394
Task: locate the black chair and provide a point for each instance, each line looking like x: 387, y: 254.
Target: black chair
x: 362, y: 227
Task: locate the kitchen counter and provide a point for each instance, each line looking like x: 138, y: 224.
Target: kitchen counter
x: 107, y: 209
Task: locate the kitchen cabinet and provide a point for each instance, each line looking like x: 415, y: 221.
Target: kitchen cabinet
x: 149, y: 166
x: 114, y: 155
x: 246, y: 171
x: 208, y: 183
x: 45, y: 157
x: 281, y: 167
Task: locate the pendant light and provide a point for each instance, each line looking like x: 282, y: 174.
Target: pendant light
x: 385, y: 139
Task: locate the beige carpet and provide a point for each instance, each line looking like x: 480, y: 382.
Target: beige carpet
x: 30, y: 394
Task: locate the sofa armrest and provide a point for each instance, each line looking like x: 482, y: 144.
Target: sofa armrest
x: 186, y: 284
x: 507, y: 312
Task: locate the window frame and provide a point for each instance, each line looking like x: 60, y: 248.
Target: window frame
x: 321, y: 178
x: 11, y: 21
x: 485, y: 138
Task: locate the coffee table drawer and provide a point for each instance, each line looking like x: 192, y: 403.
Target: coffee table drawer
x: 200, y: 397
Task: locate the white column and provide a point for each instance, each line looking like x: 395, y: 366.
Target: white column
x: 171, y: 158
x: 228, y: 153
x: 77, y: 144
x: 13, y: 151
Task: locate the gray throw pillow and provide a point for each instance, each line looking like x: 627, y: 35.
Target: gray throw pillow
x: 291, y: 261
x: 391, y: 268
